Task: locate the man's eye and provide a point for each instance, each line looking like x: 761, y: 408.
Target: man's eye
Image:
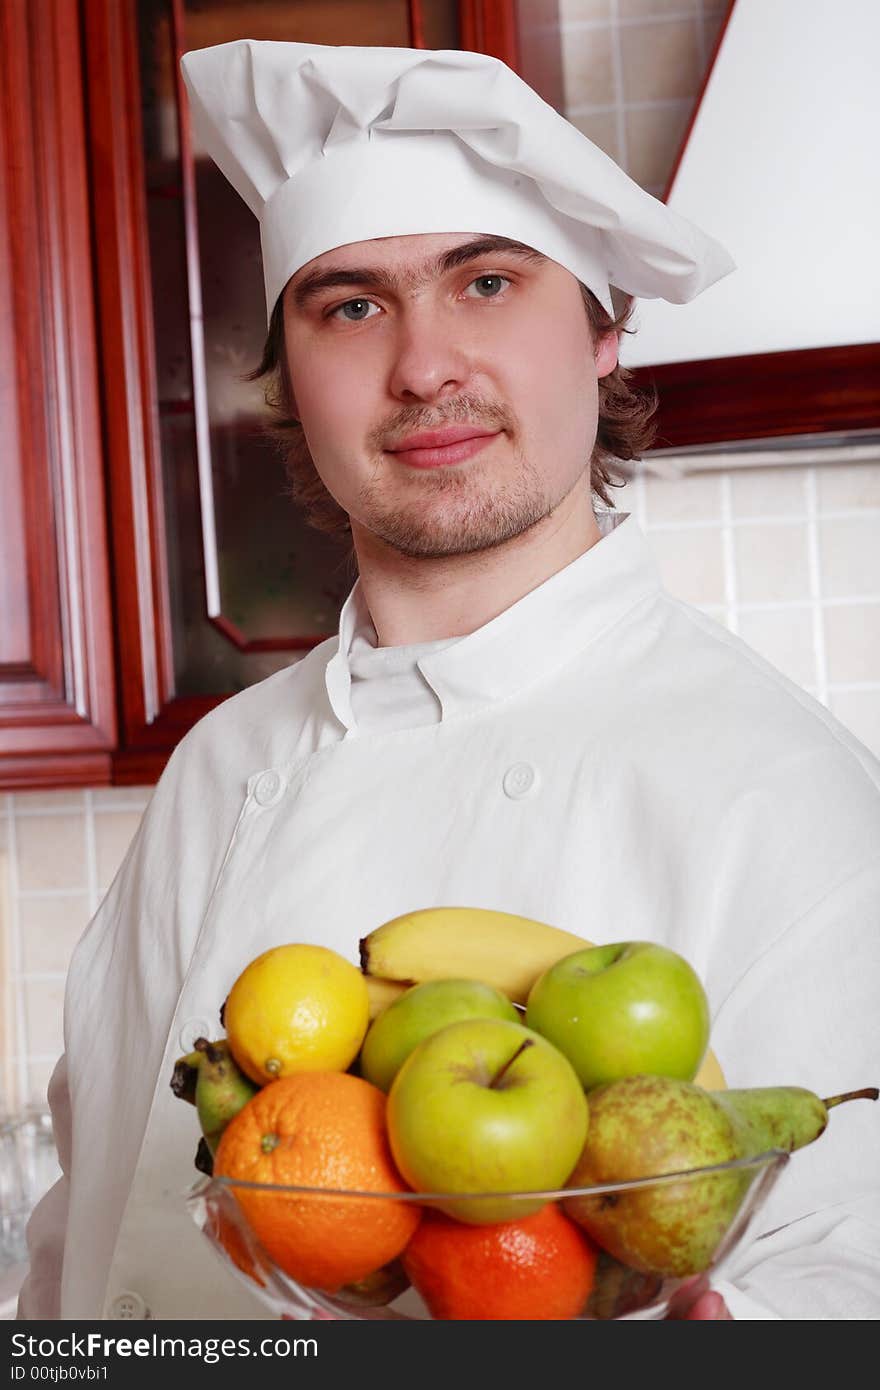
x: 359, y: 310
x: 488, y: 286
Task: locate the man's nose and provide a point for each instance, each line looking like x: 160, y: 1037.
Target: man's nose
x: 431, y: 359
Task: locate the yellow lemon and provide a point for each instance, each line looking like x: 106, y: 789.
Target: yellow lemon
x: 296, y: 1008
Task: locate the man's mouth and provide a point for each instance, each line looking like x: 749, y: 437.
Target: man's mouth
x: 436, y: 448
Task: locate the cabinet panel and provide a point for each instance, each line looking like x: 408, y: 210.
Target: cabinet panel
x: 57, y: 721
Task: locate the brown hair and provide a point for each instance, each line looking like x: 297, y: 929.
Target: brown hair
x: 626, y: 420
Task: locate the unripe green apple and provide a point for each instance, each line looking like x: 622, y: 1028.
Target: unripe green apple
x: 488, y: 1106
x: 627, y: 1009
x: 424, y: 1010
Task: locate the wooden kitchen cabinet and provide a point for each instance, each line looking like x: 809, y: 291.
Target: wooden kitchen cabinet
x: 149, y: 565
x: 57, y: 701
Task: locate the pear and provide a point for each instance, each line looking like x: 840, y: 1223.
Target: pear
x: 618, y: 1289
x: 222, y: 1089
x: 648, y: 1126
x: 785, y: 1117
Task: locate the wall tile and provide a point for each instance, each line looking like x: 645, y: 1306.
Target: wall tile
x: 653, y: 139
x: 785, y: 637
x: 859, y: 711
x: 850, y: 556
x: 660, y: 62
x: 771, y: 563
x: 768, y: 492
x: 690, y: 563
x: 697, y: 498
x: 648, y: 9
x: 601, y: 128
x: 572, y: 11
x: 26, y: 802
x: 840, y: 486
x: 588, y: 67
x: 106, y: 798
x: 852, y: 638
x: 114, y: 832
x: 44, y: 1017
x: 51, y: 853
x: 50, y: 928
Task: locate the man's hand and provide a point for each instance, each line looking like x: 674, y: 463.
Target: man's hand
x: 709, y: 1307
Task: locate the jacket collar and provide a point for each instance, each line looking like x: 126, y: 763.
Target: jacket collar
x: 539, y: 632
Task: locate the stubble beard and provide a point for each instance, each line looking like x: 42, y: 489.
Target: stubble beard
x: 455, y: 513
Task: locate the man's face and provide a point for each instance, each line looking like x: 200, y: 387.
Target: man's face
x: 390, y: 339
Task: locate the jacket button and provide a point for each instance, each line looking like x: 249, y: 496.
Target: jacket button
x: 128, y: 1307
x: 192, y: 1029
x: 519, y: 780
x: 268, y: 789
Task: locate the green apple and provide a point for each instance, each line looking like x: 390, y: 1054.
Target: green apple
x: 631, y: 1008
x: 486, y: 1106
x: 424, y: 1010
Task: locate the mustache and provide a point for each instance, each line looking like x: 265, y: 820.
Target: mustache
x: 463, y: 410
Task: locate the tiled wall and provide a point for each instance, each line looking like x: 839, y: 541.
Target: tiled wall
x: 631, y: 72
x: 789, y: 558
x: 62, y: 850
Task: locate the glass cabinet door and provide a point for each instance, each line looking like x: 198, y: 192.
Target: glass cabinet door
x: 250, y: 586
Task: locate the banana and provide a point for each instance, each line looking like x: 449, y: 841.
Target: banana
x: 475, y: 943
x: 383, y: 992
x: 710, y: 1076
x: 499, y: 948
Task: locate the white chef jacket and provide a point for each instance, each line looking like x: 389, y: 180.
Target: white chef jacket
x: 388, y: 690
x: 601, y: 756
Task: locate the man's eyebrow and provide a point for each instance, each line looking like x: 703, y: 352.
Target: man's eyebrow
x: 375, y: 278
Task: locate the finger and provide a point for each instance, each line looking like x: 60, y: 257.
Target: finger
x: 709, y: 1307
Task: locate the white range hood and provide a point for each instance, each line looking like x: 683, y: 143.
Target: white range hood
x: 783, y: 166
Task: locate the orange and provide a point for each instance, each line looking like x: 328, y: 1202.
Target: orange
x: 224, y: 1230
x: 318, y: 1130
x: 541, y: 1267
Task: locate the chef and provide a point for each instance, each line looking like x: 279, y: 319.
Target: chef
x: 514, y: 714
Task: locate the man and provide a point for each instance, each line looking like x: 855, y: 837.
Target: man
x: 514, y: 715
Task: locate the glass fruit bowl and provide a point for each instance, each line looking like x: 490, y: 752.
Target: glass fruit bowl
x: 622, y: 1250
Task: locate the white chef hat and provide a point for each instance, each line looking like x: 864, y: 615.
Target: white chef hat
x: 329, y: 146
